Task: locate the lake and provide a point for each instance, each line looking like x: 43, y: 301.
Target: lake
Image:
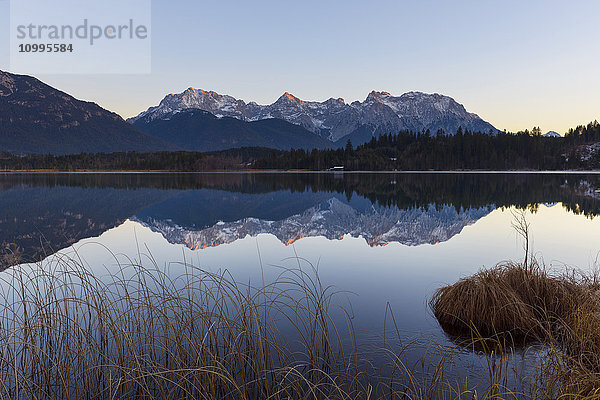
x: 382, y: 242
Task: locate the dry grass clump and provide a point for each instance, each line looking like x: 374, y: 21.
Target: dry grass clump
x: 562, y: 311
x: 548, y: 296
x: 485, y: 303
x: 508, y: 299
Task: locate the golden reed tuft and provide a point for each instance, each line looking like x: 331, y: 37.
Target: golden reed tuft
x: 562, y: 311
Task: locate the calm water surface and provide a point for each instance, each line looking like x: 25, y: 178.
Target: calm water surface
x: 385, y: 241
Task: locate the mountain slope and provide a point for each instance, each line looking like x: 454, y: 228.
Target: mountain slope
x: 333, y: 119
x: 197, y: 130
x: 36, y: 118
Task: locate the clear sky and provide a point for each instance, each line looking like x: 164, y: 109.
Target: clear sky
x: 515, y: 63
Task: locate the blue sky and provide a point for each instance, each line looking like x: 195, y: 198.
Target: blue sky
x: 515, y: 63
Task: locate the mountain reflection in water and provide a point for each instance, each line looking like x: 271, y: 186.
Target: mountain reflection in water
x: 42, y: 213
x: 333, y: 219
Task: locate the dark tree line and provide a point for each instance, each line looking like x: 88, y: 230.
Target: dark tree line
x: 409, y: 151
x: 233, y: 159
x: 584, y: 134
x: 463, y: 151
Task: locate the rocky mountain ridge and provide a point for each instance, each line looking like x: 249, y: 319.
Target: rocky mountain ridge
x: 332, y: 119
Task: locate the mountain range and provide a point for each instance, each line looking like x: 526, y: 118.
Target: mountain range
x: 333, y: 119
x: 37, y: 118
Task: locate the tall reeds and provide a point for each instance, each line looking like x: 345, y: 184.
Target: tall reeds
x: 153, y: 333
x: 182, y: 332
x: 177, y: 332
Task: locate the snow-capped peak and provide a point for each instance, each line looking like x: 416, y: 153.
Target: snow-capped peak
x: 287, y: 96
x: 333, y: 119
x: 551, y: 134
